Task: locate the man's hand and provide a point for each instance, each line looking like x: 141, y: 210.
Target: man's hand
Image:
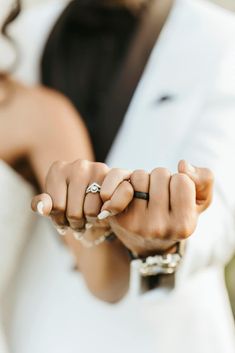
x: 170, y: 215
x: 144, y: 227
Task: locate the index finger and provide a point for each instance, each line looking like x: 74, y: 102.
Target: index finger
x: 112, y: 180
x: 121, y: 198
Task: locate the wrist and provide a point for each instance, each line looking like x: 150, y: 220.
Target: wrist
x: 156, y: 270
x: 160, y: 247
x: 154, y: 247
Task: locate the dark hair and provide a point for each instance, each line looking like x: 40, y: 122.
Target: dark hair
x: 14, y: 12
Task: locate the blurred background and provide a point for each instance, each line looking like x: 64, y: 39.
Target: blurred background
x: 230, y: 4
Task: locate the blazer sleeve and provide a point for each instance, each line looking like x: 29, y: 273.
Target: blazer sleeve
x: 212, y: 144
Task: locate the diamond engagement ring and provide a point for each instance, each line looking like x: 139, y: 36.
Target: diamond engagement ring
x: 93, y: 188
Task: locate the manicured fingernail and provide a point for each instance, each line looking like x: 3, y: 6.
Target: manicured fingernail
x: 40, y: 208
x: 191, y: 168
x: 104, y: 214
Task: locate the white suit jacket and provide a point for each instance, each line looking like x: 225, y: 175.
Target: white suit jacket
x: 194, y: 64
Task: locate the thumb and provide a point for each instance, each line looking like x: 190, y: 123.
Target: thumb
x: 42, y: 204
x: 203, y: 179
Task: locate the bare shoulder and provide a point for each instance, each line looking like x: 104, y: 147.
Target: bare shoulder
x: 31, y: 115
x: 38, y: 95
x: 39, y: 105
x: 41, y: 94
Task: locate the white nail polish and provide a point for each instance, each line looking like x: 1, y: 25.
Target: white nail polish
x: 191, y: 168
x: 104, y: 214
x: 40, y: 208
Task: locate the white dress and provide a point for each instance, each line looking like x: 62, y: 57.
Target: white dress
x: 53, y: 311
x: 48, y: 307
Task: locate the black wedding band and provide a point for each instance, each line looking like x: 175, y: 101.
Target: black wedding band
x: 141, y: 195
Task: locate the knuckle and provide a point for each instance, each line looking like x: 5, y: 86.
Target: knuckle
x: 115, y: 171
x: 80, y: 164
x: 105, y: 195
x: 139, y: 175
x: 135, y: 227
x: 77, y: 226
x: 161, y: 171
x: 91, y: 213
x: 102, y: 168
x: 122, y: 173
x: 57, y: 167
x: 181, y: 179
x: 129, y: 191
x: 158, y: 230
x: 78, y: 169
x: 184, y: 229
x: 71, y: 216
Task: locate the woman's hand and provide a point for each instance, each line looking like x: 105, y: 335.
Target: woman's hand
x: 144, y: 227
x: 69, y: 205
x: 105, y: 267
x: 170, y: 215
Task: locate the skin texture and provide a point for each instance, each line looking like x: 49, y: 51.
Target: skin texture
x: 42, y: 127
x: 28, y: 121
x: 171, y: 213
x: 27, y: 129
x: 145, y: 228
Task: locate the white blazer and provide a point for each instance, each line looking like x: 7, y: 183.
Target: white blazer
x: 194, y: 63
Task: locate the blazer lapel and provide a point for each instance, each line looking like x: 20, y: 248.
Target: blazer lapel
x: 151, y: 24
x: 170, y: 95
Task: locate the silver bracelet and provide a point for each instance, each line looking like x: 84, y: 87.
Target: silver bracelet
x: 79, y: 235
x: 160, y: 264
x: 91, y: 243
